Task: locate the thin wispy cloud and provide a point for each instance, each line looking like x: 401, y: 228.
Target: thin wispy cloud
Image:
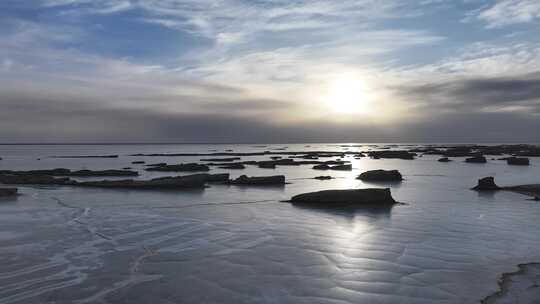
x: 509, y: 12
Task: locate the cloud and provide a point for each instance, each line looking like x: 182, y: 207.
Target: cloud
x: 509, y: 12
x: 51, y: 120
x: 476, y: 95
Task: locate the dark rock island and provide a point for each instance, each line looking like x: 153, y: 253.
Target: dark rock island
x: 381, y: 175
x: 373, y: 197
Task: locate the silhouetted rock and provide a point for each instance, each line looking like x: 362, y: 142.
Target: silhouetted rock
x: 321, y: 167
x: 517, y: 161
x: 341, y: 167
x: 259, y: 180
x: 267, y: 165
x: 531, y: 190
x: 179, y: 182
x: 323, y: 177
x: 11, y: 179
x: 85, y: 156
x: 156, y: 165
x: 476, y: 159
x: 180, y: 168
x: 340, y: 198
x: 67, y: 172
x: 233, y: 166
x: 210, y: 178
x: 444, y: 160
x: 392, y: 154
x: 381, y: 175
x: 8, y: 192
x: 486, y: 184
x: 229, y: 159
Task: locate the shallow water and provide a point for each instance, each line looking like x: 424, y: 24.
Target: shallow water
x: 229, y: 244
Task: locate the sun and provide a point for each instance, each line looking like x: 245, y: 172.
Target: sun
x: 349, y: 95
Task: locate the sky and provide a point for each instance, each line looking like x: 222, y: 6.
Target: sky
x: 269, y: 71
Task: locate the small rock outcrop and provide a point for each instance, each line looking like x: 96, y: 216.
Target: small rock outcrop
x: 341, y: 167
x: 381, y: 175
x: 486, y: 184
x: 228, y: 159
x: 321, y: 167
x: 77, y: 173
x: 191, y: 167
x: 518, y: 161
x: 11, y: 179
x: 392, y: 154
x: 372, y: 197
x: 85, y: 156
x: 4, y: 192
x: 233, y: 166
x: 180, y: 182
x: 259, y: 180
x: 476, y: 160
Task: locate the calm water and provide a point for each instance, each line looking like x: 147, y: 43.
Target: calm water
x: 447, y: 245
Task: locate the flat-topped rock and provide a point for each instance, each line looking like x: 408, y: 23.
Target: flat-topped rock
x: 178, y: 182
x: 211, y: 178
x: 259, y: 180
x: 323, y: 177
x: 530, y: 190
x: 189, y: 167
x: 229, y: 159
x: 10, y: 179
x: 77, y: 173
x: 267, y: 165
x: 476, y: 159
x: 84, y: 156
x: 372, y: 197
x: 381, y: 175
x: 321, y: 167
x: 392, y: 154
x: 486, y: 184
x: 341, y: 167
x: 8, y: 192
x: 518, y: 161
x: 233, y: 167
x: 156, y: 165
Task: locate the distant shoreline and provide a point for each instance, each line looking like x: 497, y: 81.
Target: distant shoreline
x: 259, y: 143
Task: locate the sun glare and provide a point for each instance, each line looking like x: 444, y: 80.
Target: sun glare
x: 349, y: 95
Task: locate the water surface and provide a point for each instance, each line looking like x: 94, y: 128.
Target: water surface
x: 229, y: 244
